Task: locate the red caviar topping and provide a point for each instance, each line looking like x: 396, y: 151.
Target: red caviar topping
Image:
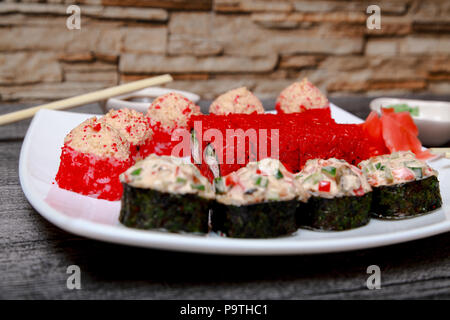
x: 97, y: 127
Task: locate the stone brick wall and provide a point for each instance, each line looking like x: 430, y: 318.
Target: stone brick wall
x: 210, y: 46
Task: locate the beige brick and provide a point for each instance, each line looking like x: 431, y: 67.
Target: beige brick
x: 29, y: 67
x: 77, y: 57
x: 345, y: 63
x: 88, y: 67
x: 440, y: 87
x: 376, y: 47
x: 425, y: 45
x: 299, y: 61
x: 187, y: 45
x: 146, y: 40
x: 239, y: 36
x: 107, y: 77
x: 251, y: 6
x: 47, y: 91
x: 432, y: 11
x: 192, y: 23
x: 392, y: 26
x: 277, y: 21
x: 146, y: 14
x: 167, y: 4
x: 387, y: 6
x: 133, y: 63
x: 91, y: 38
x: 397, y: 68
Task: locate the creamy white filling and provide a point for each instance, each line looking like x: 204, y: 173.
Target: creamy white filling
x: 395, y: 168
x: 167, y: 174
x: 332, y: 178
x: 266, y: 180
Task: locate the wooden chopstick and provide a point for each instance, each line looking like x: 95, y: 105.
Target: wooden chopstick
x: 86, y: 98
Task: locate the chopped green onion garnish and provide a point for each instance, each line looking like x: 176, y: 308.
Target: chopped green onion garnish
x: 198, y: 187
x: 262, y: 181
x: 378, y: 166
x: 219, y: 185
x: 329, y: 170
x: 315, y: 177
x: 279, y: 175
x: 181, y: 180
x: 136, y: 172
x: 417, y: 172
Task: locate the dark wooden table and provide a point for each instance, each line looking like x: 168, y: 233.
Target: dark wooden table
x: 34, y: 256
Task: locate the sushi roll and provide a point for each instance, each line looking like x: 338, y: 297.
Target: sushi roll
x: 239, y: 100
x: 163, y: 192
x: 340, y: 196
x: 403, y: 186
x: 299, y: 97
x: 167, y: 113
x: 258, y: 201
x: 93, y: 156
x: 132, y: 125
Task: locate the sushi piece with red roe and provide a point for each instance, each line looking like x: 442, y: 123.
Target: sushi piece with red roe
x: 299, y: 97
x: 93, y: 156
x: 239, y: 100
x: 132, y: 125
x: 168, y: 113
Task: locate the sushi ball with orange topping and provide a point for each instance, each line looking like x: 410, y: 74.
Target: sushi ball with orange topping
x: 167, y: 113
x: 239, y: 100
x: 93, y: 156
x: 132, y: 125
x: 299, y: 97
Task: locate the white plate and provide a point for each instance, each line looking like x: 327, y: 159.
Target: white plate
x: 98, y: 219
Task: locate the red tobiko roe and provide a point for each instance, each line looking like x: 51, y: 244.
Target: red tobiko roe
x: 91, y: 175
x: 161, y: 143
x: 302, y: 136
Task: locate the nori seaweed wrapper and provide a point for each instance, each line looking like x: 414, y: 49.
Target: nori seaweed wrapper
x: 261, y: 220
x: 335, y: 214
x: 406, y: 200
x: 152, y: 209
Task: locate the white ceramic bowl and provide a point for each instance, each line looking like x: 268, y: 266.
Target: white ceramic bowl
x: 140, y: 100
x: 433, y: 120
